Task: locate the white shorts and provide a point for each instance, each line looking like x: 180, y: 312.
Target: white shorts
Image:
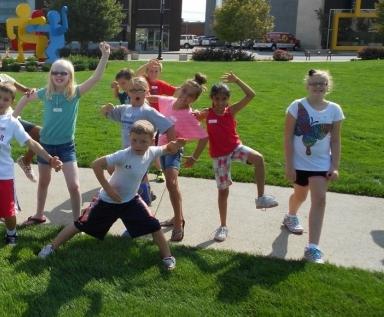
x: 222, y: 165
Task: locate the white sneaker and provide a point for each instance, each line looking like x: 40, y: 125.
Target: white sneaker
x: 292, y: 223
x: 169, y: 263
x: 27, y: 169
x: 46, y: 251
x: 221, y: 234
x: 266, y: 201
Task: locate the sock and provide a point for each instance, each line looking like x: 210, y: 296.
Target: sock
x: 312, y: 245
x: 292, y: 216
x: 11, y: 232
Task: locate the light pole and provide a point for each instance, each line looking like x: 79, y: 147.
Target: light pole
x: 161, y: 28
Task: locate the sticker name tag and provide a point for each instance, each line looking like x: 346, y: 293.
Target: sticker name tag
x: 212, y: 121
x: 57, y: 109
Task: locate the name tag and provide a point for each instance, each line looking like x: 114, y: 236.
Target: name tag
x: 57, y: 109
x: 212, y: 121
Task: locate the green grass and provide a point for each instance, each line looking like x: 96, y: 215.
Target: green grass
x: 123, y: 277
x: 358, y: 89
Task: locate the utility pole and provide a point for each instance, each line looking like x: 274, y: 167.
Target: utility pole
x: 161, y: 28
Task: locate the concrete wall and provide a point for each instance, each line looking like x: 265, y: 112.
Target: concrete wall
x: 307, y: 25
x: 285, y: 13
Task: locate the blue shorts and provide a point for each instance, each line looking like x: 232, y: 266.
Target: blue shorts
x: 28, y: 126
x: 171, y: 160
x: 66, y: 152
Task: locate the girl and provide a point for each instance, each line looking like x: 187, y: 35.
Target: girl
x: 186, y: 127
x: 60, y: 103
x: 312, y: 154
x: 225, y: 146
x: 11, y: 128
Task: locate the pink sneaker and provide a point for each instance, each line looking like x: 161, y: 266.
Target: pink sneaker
x: 27, y: 169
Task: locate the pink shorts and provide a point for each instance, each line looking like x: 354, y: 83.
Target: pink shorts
x: 8, y: 201
x: 222, y: 165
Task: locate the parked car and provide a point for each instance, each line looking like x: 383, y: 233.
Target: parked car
x: 277, y: 40
x: 212, y: 41
x: 188, y: 40
x: 246, y: 44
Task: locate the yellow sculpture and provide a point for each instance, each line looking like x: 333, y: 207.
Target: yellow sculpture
x: 23, y: 19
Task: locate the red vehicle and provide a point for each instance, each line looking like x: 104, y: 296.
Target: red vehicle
x: 276, y: 40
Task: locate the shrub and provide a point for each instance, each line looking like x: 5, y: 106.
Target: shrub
x: 215, y: 54
x: 92, y: 64
x: 45, y: 67
x: 120, y: 53
x: 282, y: 55
x: 64, y: 52
x: 371, y: 53
x: 15, y: 67
x: 31, y: 68
x: 6, y: 62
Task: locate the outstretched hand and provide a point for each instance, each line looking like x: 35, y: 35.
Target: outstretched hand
x: 55, y: 163
x: 105, y: 49
x: 174, y: 146
x: 229, y: 78
x: 106, y: 109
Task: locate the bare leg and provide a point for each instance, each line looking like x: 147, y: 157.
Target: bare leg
x: 223, y: 201
x: 159, y: 239
x: 71, y: 174
x: 297, y: 198
x: 318, y: 186
x: 64, y: 235
x: 171, y: 175
x: 257, y: 160
x: 10, y: 222
x: 42, y: 189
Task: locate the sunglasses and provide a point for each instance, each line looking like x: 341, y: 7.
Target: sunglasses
x: 59, y: 73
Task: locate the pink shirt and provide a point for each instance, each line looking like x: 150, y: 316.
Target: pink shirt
x: 186, y: 125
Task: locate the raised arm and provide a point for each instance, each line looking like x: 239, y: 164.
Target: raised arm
x: 23, y: 102
x: 142, y: 70
x: 290, y: 172
x: 249, y: 93
x: 90, y: 82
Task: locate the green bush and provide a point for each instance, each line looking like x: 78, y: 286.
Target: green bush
x: 6, y: 62
x: 31, y: 68
x: 216, y: 54
x: 120, y: 53
x: 371, y: 53
x: 45, y: 67
x: 282, y: 55
x: 15, y: 67
x: 92, y: 64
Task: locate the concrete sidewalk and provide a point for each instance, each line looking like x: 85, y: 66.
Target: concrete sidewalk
x: 353, y: 232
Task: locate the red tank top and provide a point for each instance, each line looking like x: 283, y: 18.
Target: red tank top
x: 223, y: 138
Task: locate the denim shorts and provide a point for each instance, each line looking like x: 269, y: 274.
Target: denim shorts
x: 66, y: 152
x: 171, y: 160
x: 28, y: 126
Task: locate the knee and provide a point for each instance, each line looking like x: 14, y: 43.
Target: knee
x: 74, y: 188
x: 258, y: 160
x: 319, y: 201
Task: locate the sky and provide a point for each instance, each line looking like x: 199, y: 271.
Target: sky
x: 193, y: 10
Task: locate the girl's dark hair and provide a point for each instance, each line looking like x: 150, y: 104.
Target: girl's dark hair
x: 125, y: 73
x: 200, y: 78
x: 311, y: 72
x: 220, y: 88
x: 197, y: 83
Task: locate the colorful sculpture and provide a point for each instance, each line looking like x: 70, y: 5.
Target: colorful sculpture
x: 55, y: 31
x: 21, y: 22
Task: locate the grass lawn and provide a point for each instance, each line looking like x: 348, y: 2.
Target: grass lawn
x: 358, y: 89
x: 123, y: 277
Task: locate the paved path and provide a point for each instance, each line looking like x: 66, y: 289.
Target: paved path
x: 353, y: 232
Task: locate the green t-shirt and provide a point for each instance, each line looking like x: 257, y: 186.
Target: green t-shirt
x: 59, y: 118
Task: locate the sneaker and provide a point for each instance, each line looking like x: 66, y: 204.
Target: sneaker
x: 266, y: 201
x: 11, y: 240
x: 221, y: 234
x: 27, y: 169
x: 160, y: 177
x: 313, y: 255
x: 292, y: 223
x: 169, y: 263
x: 46, y: 251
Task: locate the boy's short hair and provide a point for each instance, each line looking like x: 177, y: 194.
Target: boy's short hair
x: 143, y: 127
x: 141, y: 82
x: 125, y: 73
x: 9, y: 88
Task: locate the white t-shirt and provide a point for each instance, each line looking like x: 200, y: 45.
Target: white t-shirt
x: 4, y: 78
x: 312, y: 138
x: 130, y: 168
x: 10, y: 128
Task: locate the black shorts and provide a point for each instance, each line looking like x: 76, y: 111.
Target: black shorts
x: 135, y: 215
x: 28, y: 126
x: 303, y: 176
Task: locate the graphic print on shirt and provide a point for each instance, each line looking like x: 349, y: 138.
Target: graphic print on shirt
x: 309, y: 129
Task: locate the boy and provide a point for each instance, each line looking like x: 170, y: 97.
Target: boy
x: 122, y: 84
x: 118, y: 197
x: 11, y: 128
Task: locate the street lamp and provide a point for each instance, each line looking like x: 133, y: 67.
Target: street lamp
x: 161, y: 28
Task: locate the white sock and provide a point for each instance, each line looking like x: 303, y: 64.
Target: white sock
x: 11, y: 232
x: 313, y: 246
x: 292, y: 216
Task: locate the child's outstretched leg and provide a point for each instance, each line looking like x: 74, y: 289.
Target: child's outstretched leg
x: 318, y: 187
x: 64, y: 235
x: 168, y: 260
x: 291, y: 221
x: 25, y: 160
x: 71, y: 174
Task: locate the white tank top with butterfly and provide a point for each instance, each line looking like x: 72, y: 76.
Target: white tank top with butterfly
x: 312, y: 138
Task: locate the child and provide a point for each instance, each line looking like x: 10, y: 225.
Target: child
x: 121, y: 85
x: 60, y: 104
x: 24, y: 161
x: 225, y: 146
x: 312, y: 154
x: 188, y: 128
x: 118, y: 197
x: 152, y: 71
x: 11, y: 128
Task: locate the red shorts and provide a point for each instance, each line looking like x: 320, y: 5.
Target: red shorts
x: 7, y: 201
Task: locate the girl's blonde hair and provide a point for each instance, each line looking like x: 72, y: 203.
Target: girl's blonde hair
x: 322, y: 74
x: 70, y: 89
x: 140, y: 81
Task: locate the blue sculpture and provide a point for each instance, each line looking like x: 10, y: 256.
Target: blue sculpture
x: 55, y: 32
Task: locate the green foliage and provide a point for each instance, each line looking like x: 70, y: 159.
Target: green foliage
x: 282, y: 55
x: 216, y: 54
x: 238, y: 20
x: 6, y: 63
x: 14, y: 67
x: 119, y: 53
x: 92, y: 20
x: 45, y: 67
x: 380, y: 16
x: 371, y: 53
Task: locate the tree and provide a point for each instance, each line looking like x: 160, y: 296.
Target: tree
x: 238, y: 20
x: 91, y: 20
x: 380, y: 16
